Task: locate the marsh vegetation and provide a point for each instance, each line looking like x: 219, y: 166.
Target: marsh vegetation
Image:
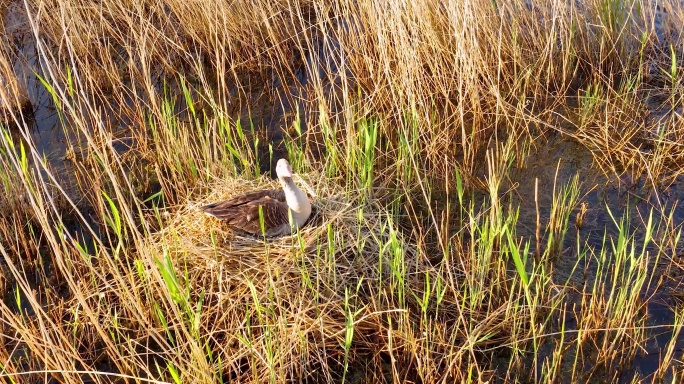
x: 496, y: 190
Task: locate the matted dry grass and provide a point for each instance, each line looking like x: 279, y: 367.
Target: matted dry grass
x: 296, y: 291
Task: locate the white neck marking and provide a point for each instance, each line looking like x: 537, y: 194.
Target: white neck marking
x: 297, y: 201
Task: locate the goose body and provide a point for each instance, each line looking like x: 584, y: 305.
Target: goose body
x: 242, y: 212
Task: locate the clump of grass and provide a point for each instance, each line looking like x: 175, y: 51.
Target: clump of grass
x: 14, y: 101
x: 326, y: 288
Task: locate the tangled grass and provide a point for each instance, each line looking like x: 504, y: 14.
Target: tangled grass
x: 408, y: 120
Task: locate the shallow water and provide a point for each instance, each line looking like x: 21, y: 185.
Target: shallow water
x: 555, y: 160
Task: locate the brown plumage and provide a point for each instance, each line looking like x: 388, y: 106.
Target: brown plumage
x: 242, y: 212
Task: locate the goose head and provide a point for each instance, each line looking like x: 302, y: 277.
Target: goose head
x: 284, y: 171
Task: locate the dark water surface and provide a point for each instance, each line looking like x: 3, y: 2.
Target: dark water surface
x: 556, y: 160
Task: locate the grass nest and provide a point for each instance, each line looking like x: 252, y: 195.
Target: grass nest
x: 345, y: 222
x: 346, y: 266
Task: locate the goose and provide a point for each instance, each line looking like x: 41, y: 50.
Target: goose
x: 242, y: 212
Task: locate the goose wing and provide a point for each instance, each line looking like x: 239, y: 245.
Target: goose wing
x: 242, y: 212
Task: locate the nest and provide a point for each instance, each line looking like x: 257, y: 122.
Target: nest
x: 344, y: 240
